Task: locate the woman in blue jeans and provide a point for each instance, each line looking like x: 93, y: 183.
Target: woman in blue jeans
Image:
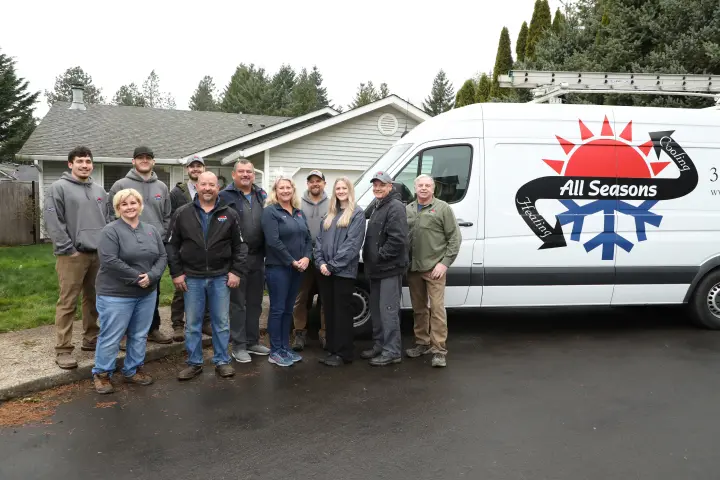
x: 288, y: 247
x: 132, y: 260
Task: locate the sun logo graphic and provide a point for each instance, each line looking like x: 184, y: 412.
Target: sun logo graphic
x: 606, y: 173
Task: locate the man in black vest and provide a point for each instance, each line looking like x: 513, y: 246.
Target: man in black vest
x: 248, y: 200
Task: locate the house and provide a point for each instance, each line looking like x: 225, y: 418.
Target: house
x: 337, y: 143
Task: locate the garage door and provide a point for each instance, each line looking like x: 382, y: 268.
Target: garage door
x: 300, y: 178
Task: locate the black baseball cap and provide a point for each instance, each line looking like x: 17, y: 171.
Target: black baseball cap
x: 143, y: 150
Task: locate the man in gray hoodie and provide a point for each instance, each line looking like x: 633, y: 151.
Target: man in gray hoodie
x: 75, y: 212
x: 157, y: 211
x: 314, y: 204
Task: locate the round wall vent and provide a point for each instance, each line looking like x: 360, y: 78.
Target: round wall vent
x: 388, y: 124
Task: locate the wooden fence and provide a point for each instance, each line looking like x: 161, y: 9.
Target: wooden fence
x: 19, y: 213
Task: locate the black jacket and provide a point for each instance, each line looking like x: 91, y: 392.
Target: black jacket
x: 250, y: 215
x: 190, y: 254
x: 386, y: 248
x: 179, y: 196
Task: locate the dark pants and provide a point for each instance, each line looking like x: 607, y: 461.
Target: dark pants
x: 155, y: 325
x: 385, y: 312
x: 337, y: 293
x: 283, y: 284
x: 246, y: 304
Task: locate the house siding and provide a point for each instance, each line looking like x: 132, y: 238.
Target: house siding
x: 350, y: 147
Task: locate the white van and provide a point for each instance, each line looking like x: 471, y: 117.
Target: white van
x: 570, y: 205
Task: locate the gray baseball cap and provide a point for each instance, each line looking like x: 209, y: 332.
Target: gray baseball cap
x: 195, y: 158
x: 382, y: 176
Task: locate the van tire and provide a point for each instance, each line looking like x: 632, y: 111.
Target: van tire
x: 706, y: 301
x: 361, y: 310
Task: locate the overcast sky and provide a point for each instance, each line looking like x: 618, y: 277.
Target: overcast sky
x: 390, y: 41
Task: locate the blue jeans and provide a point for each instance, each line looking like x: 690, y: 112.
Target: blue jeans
x: 218, y: 297
x: 119, y: 316
x: 283, y: 284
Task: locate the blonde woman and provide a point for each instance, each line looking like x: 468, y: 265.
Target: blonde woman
x: 337, y: 254
x: 132, y: 260
x: 288, y: 247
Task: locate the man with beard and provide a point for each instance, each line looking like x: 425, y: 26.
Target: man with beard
x: 181, y: 194
x: 247, y: 199
x: 206, y: 255
x: 156, y: 211
x: 314, y: 204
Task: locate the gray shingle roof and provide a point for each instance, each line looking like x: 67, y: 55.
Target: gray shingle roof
x: 114, y: 131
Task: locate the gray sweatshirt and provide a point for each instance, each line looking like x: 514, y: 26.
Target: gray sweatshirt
x: 74, y: 212
x: 339, y: 247
x: 156, y: 198
x: 125, y: 253
x: 314, y: 212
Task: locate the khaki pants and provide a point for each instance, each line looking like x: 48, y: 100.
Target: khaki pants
x: 303, y: 301
x: 76, y: 274
x: 430, y: 323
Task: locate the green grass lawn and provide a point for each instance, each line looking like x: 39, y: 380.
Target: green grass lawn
x: 29, y: 290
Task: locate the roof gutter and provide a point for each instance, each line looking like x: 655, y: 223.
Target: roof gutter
x: 63, y: 158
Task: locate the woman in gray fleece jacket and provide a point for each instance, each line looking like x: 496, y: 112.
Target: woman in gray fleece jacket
x: 337, y: 254
x: 132, y: 260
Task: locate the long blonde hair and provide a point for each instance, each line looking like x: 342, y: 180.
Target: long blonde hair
x: 344, y: 219
x: 273, y: 198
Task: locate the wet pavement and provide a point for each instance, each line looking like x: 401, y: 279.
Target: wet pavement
x: 584, y: 394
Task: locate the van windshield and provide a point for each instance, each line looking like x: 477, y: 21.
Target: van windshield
x: 362, y: 184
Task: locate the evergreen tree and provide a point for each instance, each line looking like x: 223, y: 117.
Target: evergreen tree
x: 630, y: 41
x: 442, y: 96
x: 503, y: 62
x: 129, y: 96
x: 558, y: 23
x: 521, y: 42
x: 365, y: 94
x: 154, y: 98
x: 540, y: 23
x: 466, y: 95
x: 308, y: 95
x: 16, y: 109
x: 280, y: 91
x: 205, y: 95
x: 248, y: 91
x: 62, y: 92
x: 384, y: 91
x: 482, y: 91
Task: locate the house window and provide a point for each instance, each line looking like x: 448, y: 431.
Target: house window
x: 113, y: 173
x: 449, y: 166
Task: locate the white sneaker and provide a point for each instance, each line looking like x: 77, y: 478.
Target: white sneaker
x: 259, y: 349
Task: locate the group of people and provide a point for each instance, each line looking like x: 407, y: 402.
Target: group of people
x: 222, y: 247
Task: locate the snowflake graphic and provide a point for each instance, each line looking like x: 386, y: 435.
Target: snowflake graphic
x: 608, y: 238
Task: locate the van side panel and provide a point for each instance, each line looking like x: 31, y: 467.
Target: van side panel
x: 667, y: 240
x: 527, y: 261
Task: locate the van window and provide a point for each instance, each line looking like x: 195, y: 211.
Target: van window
x: 449, y: 166
x: 362, y: 184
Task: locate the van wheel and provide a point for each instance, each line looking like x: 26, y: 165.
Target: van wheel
x: 706, y: 301
x: 361, y: 311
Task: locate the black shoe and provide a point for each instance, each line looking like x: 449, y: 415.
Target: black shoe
x: 384, y: 359
x: 333, y: 361
x: 190, y: 372
x: 225, y: 370
x: 371, y: 353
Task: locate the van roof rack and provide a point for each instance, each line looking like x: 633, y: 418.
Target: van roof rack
x: 549, y: 86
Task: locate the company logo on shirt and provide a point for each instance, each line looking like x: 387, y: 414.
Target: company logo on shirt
x: 99, y: 199
x: 222, y: 218
x: 158, y: 196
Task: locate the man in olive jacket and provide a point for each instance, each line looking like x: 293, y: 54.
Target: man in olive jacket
x: 385, y: 260
x: 434, y: 244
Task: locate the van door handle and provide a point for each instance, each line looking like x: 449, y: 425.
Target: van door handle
x: 465, y: 224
